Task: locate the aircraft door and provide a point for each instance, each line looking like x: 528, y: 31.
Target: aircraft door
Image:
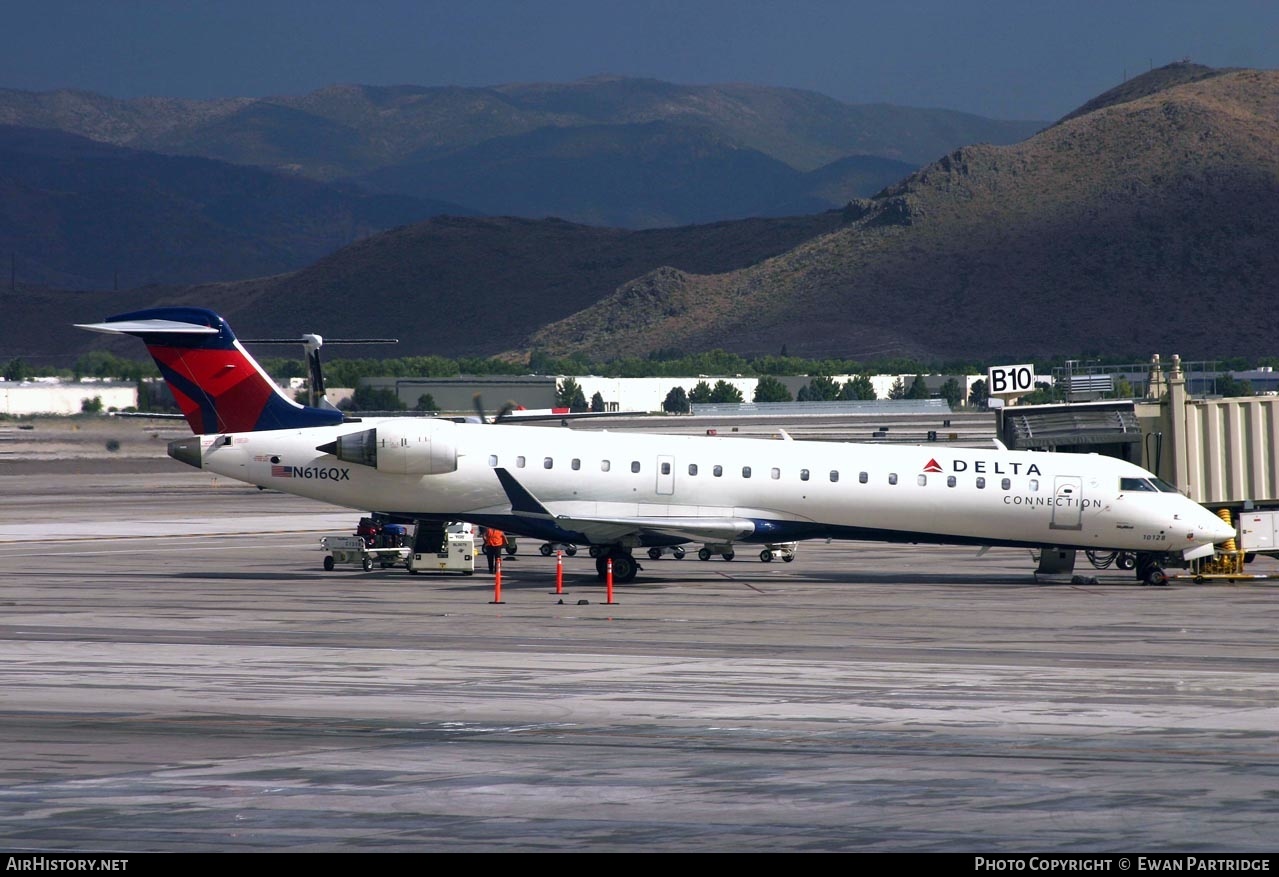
x: 665, y: 475
x: 1068, y: 506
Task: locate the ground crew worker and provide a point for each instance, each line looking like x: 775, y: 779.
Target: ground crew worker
x: 494, y: 542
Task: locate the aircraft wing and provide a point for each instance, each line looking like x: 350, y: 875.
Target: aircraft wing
x: 611, y: 529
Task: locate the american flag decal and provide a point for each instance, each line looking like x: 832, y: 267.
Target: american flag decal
x: 281, y: 471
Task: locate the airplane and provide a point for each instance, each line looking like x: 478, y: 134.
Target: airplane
x: 616, y: 491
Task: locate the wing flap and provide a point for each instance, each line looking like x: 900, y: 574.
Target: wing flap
x: 612, y: 529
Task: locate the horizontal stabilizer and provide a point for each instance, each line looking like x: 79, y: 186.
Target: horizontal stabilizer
x: 148, y: 327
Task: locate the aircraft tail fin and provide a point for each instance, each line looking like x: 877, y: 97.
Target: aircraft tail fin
x: 217, y: 384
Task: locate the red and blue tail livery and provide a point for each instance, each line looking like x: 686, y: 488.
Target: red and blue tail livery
x: 217, y: 384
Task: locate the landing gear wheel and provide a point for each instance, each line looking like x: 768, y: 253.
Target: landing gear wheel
x: 624, y: 568
x: 546, y: 550
x: 571, y: 550
x: 679, y: 553
x: 728, y: 555
x: 368, y: 564
x: 703, y: 554
x: 1156, y: 576
x: 328, y: 563
x: 1125, y: 560
x: 654, y: 553
x: 766, y: 555
x: 788, y: 557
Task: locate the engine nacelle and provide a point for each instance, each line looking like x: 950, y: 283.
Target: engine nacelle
x: 408, y: 450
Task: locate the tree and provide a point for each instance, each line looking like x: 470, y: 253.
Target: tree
x: 426, y: 402
x: 91, y: 406
x: 769, y: 389
x: 676, y: 401
x: 918, y: 388
x: 597, y: 402
x: 897, y: 390
x: 979, y: 394
x: 1230, y: 386
x: 857, y: 387
x: 820, y: 389
x: 701, y: 392
x: 366, y: 398
x: 952, y: 392
x: 569, y: 395
x: 723, y: 391
x: 16, y: 370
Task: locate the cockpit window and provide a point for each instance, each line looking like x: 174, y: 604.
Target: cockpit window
x: 1132, y: 485
x: 1164, y: 486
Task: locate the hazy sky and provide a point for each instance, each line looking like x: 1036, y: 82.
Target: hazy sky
x: 1022, y: 59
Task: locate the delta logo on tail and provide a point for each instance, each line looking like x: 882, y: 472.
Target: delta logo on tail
x: 932, y: 466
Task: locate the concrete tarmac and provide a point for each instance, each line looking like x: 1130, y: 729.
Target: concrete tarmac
x: 178, y: 673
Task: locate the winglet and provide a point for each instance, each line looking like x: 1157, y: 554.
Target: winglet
x: 522, y: 502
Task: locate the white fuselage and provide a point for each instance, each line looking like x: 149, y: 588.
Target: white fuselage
x: 799, y: 489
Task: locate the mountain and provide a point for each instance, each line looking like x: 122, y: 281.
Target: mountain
x: 1148, y: 224
x: 584, y: 151
x: 449, y: 286
x: 80, y: 213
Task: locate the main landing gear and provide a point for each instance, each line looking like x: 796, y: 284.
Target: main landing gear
x: 624, y: 565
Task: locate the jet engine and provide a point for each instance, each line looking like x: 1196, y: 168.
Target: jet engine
x: 399, y: 450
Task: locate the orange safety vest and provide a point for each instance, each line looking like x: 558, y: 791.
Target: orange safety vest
x: 494, y: 538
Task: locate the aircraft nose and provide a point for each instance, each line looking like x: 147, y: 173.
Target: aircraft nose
x: 1219, y: 530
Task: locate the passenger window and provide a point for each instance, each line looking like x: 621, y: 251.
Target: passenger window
x: 950, y: 480
x: 605, y: 465
x: 834, y: 475
x: 1034, y: 484
x: 666, y: 468
x: 1006, y: 484
x: 921, y: 480
x: 863, y: 477
x: 635, y: 467
x: 775, y: 473
x: 692, y: 468
x: 576, y: 464
x: 717, y: 471
x: 519, y: 462
x: 746, y: 471
x: 492, y: 459
x: 803, y: 474
x: 548, y: 463
x: 892, y: 477
x: 981, y: 482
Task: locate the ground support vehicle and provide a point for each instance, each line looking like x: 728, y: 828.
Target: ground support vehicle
x: 455, y: 555
x: 784, y: 550
x: 355, y: 550
x: 676, y: 551
x: 724, y: 550
x: 549, y: 548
